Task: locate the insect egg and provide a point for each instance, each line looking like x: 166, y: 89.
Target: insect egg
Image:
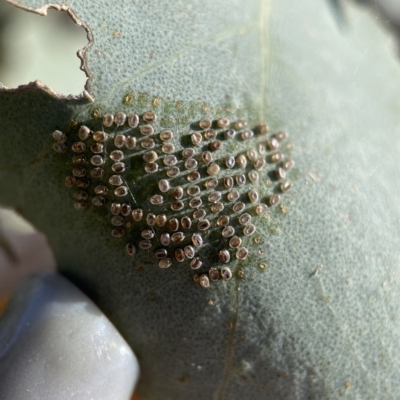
x: 246, y: 135
x: 261, y: 209
x: 274, y: 199
x: 156, y: 199
x: 228, y: 182
x: 121, y: 191
x: 235, y: 242
x: 213, y: 274
x: 165, y: 239
x: 115, y: 208
x: 59, y: 147
x: 178, y: 192
x: 240, y: 124
x: 233, y: 195
x: 213, y: 169
x: 120, y: 119
x: 59, y: 136
x: 151, y: 219
x: 151, y: 167
x: 177, y: 237
x: 196, y: 138
x: 286, y: 186
x: 97, y: 173
x: 204, y: 281
x: 196, y: 263
x: 78, y: 147
x: 238, y: 207
x: 214, y: 197
x: 249, y: 229
x: 203, y: 225
x: 179, y: 255
x: 230, y: 161
x: 199, y: 214
x: 161, y: 253
x: 163, y: 185
x: 186, y: 223
x: 145, y: 244
x: 197, y: 240
x: 244, y: 219
x: 214, y: 146
x: 189, y: 252
x: 241, y: 161
x: 253, y: 176
x: 280, y: 173
x: 117, y: 155
x: 165, y: 263
x: 98, y: 201
x: 273, y: 144
x: 147, y: 143
x: 211, y: 183
x: 161, y: 220
x: 130, y: 142
x: 79, y: 172
x: 193, y: 190
x: 108, y: 120
x: 96, y: 148
x: 97, y: 160
x: 226, y: 273
x: 168, y: 148
x: 146, y: 130
x: 131, y: 249
x: 223, y: 220
x: 190, y: 163
x: 188, y: 153
x: 170, y: 160
x: 118, y: 232
x: 84, y: 132
x: 100, y: 136
x: 205, y: 123
x: 253, y: 196
x: 133, y: 120
x: 115, y: 180
x: 173, y: 172
x: 101, y: 190
x: 195, y: 202
x: 80, y: 195
x: 207, y: 157
x: 217, y: 207
x: 228, y: 231
x: 126, y: 209
x: 242, y: 253
x: 224, y: 256
x: 210, y: 134
x: 137, y: 214
x: 70, y: 181
x: 147, y: 234
x: 230, y: 134
x: 150, y: 156
x: 240, y: 179
x: 173, y: 224
x: 223, y: 122
x: 166, y: 135
x: 79, y: 159
x: 149, y: 116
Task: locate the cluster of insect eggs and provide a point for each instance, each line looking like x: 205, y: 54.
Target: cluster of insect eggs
x: 190, y: 159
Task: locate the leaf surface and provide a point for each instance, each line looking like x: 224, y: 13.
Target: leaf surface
x: 321, y: 320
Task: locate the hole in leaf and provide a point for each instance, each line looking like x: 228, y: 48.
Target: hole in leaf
x: 35, y: 47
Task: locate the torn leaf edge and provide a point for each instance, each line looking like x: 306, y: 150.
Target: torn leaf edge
x: 80, y: 53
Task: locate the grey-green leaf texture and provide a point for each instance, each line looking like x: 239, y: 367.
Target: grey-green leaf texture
x: 322, y: 320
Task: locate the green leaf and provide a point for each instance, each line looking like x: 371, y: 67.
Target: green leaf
x: 321, y: 320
